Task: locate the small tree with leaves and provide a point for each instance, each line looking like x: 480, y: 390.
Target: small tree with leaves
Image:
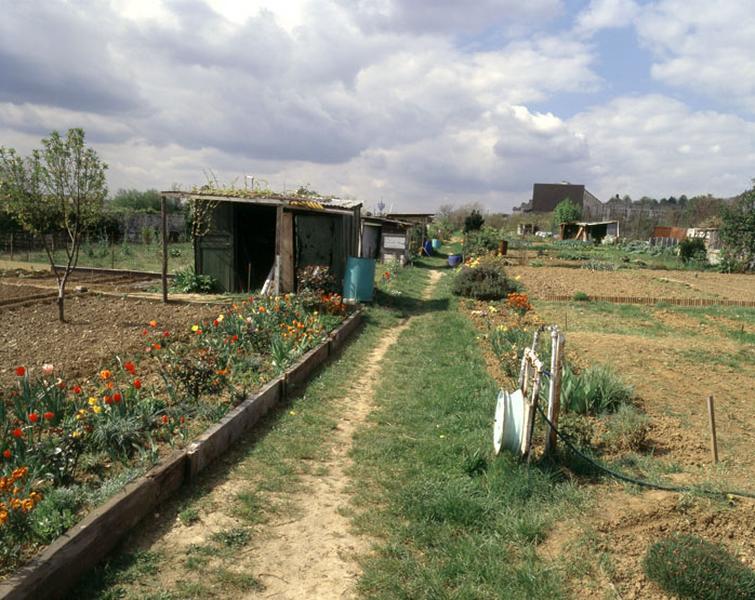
x: 738, y: 233
x: 60, y: 187
x: 566, y: 212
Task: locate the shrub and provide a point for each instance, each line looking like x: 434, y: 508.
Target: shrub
x: 627, y: 429
x: 577, y: 428
x: 483, y: 283
x: 473, y: 221
x: 189, y: 281
x: 598, y: 389
x: 692, y: 249
x: 690, y: 567
x: 580, y: 297
x: 482, y: 241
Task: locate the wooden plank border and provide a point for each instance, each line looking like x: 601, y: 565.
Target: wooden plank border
x: 58, y: 568
x: 652, y: 301
x: 53, y: 572
x: 216, y: 440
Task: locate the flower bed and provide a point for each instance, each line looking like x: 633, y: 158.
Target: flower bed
x: 67, y: 445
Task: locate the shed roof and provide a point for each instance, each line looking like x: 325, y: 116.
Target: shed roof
x: 385, y: 221
x: 325, y: 203
x: 589, y: 224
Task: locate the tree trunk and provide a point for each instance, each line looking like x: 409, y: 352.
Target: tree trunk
x: 61, y: 297
x: 61, y: 314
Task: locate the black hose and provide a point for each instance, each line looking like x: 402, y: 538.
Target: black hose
x: 640, y: 482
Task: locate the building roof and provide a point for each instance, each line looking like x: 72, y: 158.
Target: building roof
x: 385, y: 221
x: 589, y: 224
x: 267, y: 198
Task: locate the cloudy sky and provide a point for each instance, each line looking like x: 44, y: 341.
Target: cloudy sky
x: 417, y: 102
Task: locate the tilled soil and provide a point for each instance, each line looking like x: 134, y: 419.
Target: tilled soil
x: 646, y: 283
x: 96, y: 328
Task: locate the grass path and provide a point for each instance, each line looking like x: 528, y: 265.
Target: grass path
x: 269, y: 518
x: 378, y: 482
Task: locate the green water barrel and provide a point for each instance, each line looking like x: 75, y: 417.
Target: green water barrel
x: 359, y: 280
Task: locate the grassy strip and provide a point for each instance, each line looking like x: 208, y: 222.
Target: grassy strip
x: 453, y: 520
x: 268, y: 466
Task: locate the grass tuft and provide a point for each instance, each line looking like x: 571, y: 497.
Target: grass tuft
x: 690, y: 567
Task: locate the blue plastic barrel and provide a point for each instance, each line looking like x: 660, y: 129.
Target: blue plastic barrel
x: 359, y: 280
x: 428, y: 248
x: 436, y: 244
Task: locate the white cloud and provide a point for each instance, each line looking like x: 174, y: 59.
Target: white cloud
x: 656, y: 146
x: 705, y: 47
x: 606, y: 14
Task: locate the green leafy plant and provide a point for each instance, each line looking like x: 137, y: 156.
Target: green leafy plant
x: 189, y: 281
x: 690, y: 567
x: 484, y: 282
x: 481, y: 241
x: 508, y: 344
x: 596, y: 390
x: 566, y: 211
x: 692, y: 249
x: 580, y: 297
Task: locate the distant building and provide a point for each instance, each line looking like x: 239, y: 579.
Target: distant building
x: 546, y: 196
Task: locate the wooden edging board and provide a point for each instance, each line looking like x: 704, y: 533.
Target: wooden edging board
x: 53, y: 572
x: 653, y: 301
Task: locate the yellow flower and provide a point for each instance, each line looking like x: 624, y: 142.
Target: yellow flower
x: 292, y: 413
x: 220, y: 318
x: 195, y: 328
x: 97, y: 409
x: 518, y: 277
x: 92, y: 401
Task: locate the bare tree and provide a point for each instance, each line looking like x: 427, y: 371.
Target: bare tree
x: 61, y: 187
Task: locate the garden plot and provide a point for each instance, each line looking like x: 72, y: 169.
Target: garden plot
x: 674, y: 358
x: 544, y: 281
x: 18, y: 293
x: 96, y: 329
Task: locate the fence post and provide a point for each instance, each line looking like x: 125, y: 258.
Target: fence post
x: 164, y: 227
x: 554, y: 391
x: 712, y: 422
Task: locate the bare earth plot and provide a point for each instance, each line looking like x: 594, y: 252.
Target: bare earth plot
x: 542, y: 281
x: 674, y: 358
x: 97, y: 327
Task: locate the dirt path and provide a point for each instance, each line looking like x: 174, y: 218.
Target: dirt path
x: 314, y: 555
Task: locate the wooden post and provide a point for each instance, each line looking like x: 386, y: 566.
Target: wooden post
x: 712, y: 421
x: 554, y: 390
x: 11, y: 245
x: 164, y: 227
x: 249, y: 277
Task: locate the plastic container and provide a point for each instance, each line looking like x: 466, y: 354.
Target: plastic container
x: 427, y: 247
x: 436, y: 244
x: 454, y: 260
x: 359, y: 280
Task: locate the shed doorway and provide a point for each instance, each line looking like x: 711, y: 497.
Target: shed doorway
x: 255, y: 246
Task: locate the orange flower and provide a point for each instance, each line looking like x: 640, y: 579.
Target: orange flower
x: 156, y: 346
x: 153, y: 323
x: 262, y: 309
x: 105, y: 374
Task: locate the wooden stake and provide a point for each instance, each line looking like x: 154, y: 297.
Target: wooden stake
x: 712, y: 421
x: 164, y: 228
x: 249, y: 277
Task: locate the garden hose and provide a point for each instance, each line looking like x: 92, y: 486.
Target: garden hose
x: 640, y: 482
